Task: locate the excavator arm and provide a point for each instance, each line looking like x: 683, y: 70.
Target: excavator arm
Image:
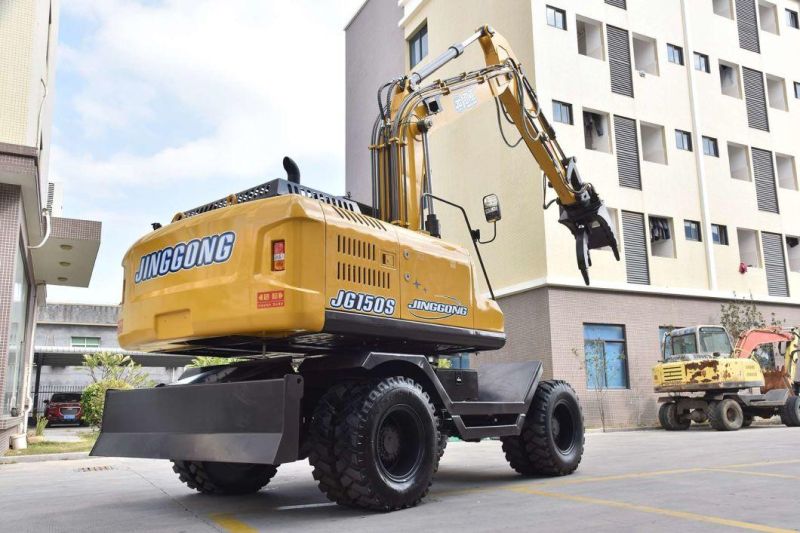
x: 410, y: 110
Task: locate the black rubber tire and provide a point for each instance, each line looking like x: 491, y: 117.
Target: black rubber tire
x: 748, y: 421
x: 394, y: 412
x: 224, y: 478
x: 726, y: 415
x: 669, y: 419
x: 790, y: 413
x: 542, y: 448
x: 322, y: 441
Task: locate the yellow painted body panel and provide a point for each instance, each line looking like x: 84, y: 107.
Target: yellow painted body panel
x: 707, y: 374
x: 328, y: 250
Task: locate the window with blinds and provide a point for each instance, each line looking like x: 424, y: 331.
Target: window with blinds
x: 755, y: 99
x: 748, y: 25
x: 774, y: 264
x: 635, y: 245
x: 619, y: 61
x: 764, y: 173
x: 627, y: 144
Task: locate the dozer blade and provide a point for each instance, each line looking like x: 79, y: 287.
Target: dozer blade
x: 591, y: 226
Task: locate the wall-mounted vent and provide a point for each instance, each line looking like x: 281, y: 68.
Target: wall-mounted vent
x: 619, y: 60
x: 748, y: 26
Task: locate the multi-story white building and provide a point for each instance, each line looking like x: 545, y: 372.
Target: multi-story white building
x: 685, y: 115
x: 37, y: 246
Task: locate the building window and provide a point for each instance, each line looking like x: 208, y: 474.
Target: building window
x: 556, y: 18
x: 739, y: 161
x: 590, y: 37
x: 792, y: 20
x: 653, y: 146
x: 418, y: 45
x: 645, y: 58
x: 675, y: 54
x: 793, y: 253
x: 85, y: 342
x: 787, y: 174
x: 562, y: 112
x: 661, y: 242
x: 701, y: 62
x: 710, y: 146
x: 596, y: 131
x: 683, y: 140
x: 719, y: 234
x: 748, y: 247
x: 797, y: 89
x: 18, y: 322
x: 606, y: 362
x: 768, y: 16
x: 776, y: 91
x: 691, y: 229
x: 729, y: 79
x: 723, y: 8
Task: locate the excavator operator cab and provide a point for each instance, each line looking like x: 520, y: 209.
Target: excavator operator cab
x: 698, y: 342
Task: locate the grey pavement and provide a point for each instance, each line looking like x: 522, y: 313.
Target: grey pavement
x: 698, y: 480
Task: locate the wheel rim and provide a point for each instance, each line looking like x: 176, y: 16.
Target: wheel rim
x: 399, y: 443
x: 563, y: 427
x: 731, y: 414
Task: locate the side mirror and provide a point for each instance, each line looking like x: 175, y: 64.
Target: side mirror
x: 491, y: 208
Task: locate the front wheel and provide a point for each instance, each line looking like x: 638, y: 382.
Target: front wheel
x: 551, y: 442
x: 211, y: 477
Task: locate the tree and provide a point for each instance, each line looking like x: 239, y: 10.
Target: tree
x: 205, y: 360
x: 740, y: 315
x: 109, y: 366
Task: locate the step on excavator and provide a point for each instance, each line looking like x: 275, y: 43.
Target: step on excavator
x: 708, y: 380
x: 338, y: 313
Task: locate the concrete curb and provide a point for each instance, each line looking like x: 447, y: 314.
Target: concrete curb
x: 45, y: 457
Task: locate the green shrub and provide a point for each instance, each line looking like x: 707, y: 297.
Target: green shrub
x: 207, y: 360
x: 93, y: 399
x: 41, y: 423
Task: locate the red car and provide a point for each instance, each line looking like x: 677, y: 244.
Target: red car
x: 64, y: 408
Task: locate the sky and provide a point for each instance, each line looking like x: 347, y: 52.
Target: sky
x: 161, y: 106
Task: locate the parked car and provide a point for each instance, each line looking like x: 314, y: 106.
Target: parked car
x: 64, y: 408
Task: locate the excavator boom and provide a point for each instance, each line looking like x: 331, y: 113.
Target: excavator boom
x: 409, y: 110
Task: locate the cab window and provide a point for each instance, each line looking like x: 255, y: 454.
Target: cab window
x: 715, y: 340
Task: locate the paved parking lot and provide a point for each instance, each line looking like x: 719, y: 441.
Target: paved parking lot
x: 629, y: 481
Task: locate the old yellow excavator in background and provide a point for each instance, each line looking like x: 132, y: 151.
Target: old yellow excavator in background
x: 707, y: 380
x: 341, y: 311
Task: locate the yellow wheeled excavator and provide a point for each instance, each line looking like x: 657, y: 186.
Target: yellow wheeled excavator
x: 341, y: 310
x: 706, y: 379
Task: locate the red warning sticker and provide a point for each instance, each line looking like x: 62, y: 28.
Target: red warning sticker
x: 265, y: 300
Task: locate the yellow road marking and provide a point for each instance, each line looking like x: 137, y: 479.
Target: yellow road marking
x: 751, y: 473
x: 654, y: 510
x: 229, y: 523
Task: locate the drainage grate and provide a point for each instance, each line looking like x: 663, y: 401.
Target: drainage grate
x: 95, y: 468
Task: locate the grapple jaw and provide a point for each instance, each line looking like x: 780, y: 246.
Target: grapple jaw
x: 590, y: 224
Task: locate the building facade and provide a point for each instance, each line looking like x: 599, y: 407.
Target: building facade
x: 37, y: 247
x: 65, y: 332
x: 684, y: 116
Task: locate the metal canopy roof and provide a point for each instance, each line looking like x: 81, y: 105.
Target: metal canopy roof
x: 69, y: 356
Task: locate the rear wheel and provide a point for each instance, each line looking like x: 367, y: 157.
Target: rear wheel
x: 224, y: 478
x: 748, y: 421
x: 790, y: 414
x: 551, y: 442
x: 726, y: 415
x: 386, y: 445
x: 670, y: 419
